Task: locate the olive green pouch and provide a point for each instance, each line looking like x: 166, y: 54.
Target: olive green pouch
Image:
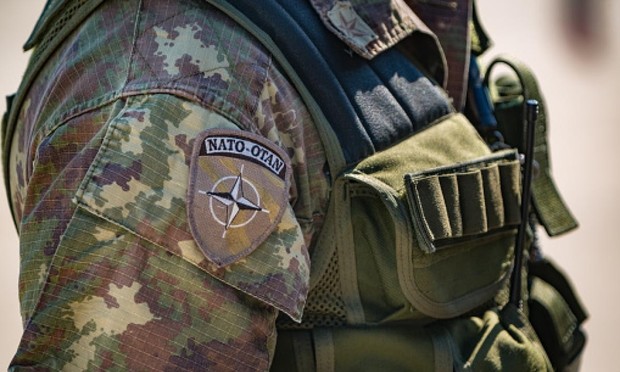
x: 498, y: 340
x: 426, y: 228
x: 556, y: 313
x: 422, y: 235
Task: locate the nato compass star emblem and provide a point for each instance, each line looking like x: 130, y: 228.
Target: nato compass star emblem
x: 237, y: 193
x: 234, y: 202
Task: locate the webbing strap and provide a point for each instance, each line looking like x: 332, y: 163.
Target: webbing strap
x: 324, y: 349
x: 443, y: 348
x: 303, y: 352
x: 551, y: 210
x: 465, y: 202
x: 563, y: 320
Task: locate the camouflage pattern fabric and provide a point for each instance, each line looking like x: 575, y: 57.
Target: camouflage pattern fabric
x: 111, y: 276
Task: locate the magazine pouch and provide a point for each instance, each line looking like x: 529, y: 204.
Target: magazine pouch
x: 427, y: 227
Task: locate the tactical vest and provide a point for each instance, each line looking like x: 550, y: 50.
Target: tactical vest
x: 411, y: 269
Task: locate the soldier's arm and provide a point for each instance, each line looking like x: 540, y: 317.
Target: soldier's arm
x: 112, y: 273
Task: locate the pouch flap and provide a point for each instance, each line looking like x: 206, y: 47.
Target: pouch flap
x: 561, y: 320
x: 450, y: 140
x: 464, y: 200
x: 556, y: 313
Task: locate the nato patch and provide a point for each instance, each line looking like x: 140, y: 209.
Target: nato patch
x: 238, y: 191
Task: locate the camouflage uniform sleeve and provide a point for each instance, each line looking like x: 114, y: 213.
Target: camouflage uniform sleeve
x: 128, y: 286
x: 111, y: 275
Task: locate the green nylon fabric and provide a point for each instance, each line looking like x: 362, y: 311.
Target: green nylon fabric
x: 562, y: 318
x: 557, y: 314
x: 376, y: 232
x: 497, y: 340
x: 379, y: 289
x: 552, y: 211
x: 399, y: 220
x: 357, y: 349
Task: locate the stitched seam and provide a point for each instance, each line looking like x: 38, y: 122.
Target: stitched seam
x: 133, y: 45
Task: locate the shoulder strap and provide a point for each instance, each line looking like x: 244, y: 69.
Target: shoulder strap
x: 360, y: 106
x: 552, y: 211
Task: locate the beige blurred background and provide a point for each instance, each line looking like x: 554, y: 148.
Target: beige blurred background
x: 580, y: 74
